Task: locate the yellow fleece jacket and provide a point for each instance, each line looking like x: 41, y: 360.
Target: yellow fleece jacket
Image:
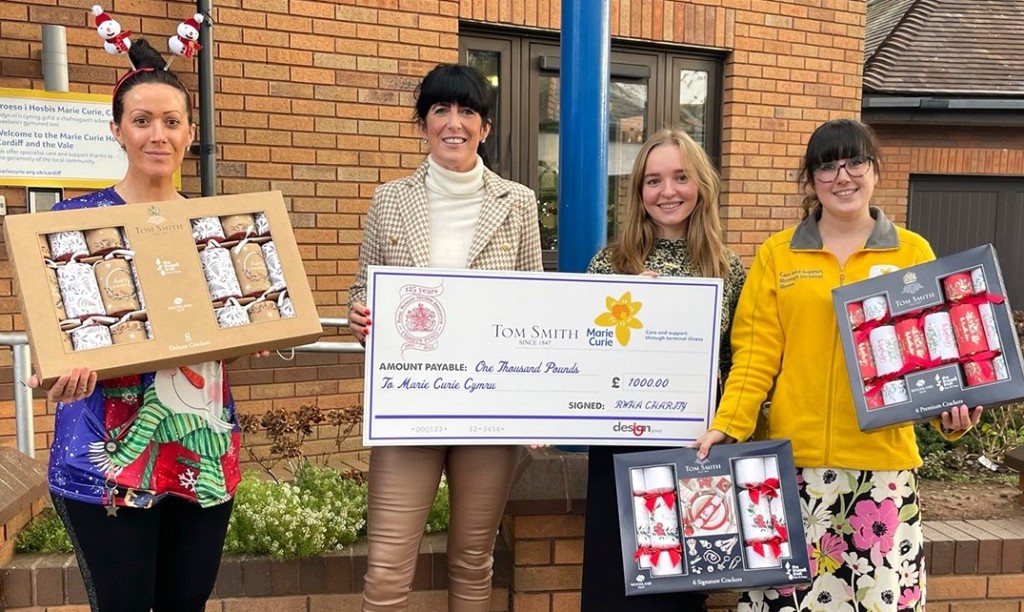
x: 785, y: 342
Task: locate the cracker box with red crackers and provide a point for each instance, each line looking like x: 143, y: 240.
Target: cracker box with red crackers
x: 921, y: 340
x: 731, y: 521
x: 141, y: 287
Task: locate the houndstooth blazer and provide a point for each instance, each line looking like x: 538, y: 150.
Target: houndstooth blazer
x: 397, y: 228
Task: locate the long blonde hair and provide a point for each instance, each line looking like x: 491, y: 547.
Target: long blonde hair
x: 638, y: 234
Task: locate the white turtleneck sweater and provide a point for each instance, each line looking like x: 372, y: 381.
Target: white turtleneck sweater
x: 454, y: 200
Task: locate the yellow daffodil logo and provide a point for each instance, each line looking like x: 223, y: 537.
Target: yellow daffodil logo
x: 621, y: 315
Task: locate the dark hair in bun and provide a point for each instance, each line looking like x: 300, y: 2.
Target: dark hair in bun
x: 149, y: 68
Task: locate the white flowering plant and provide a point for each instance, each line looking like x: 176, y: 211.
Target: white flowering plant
x: 321, y: 510
x: 289, y: 520
x: 437, y: 521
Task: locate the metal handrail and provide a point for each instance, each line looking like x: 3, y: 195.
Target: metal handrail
x: 22, y: 354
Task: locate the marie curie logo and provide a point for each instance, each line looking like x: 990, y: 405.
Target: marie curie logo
x: 620, y: 314
x: 419, y: 317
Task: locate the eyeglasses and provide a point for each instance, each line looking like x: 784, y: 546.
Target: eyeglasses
x: 855, y: 167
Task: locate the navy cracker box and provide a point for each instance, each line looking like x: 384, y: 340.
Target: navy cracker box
x: 921, y: 340
x: 731, y: 521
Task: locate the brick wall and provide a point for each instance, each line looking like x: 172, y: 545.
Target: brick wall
x: 331, y: 583
x: 314, y: 98
x: 949, y: 150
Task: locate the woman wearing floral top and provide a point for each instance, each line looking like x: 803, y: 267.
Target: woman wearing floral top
x: 670, y: 228
x: 858, y: 490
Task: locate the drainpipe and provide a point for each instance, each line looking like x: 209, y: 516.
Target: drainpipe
x: 55, y: 58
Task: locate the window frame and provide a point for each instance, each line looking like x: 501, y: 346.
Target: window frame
x: 527, y: 54
x: 508, y: 97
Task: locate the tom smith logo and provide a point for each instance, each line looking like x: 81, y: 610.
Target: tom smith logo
x: 157, y: 223
x: 912, y: 289
x: 155, y: 218
x: 420, y: 317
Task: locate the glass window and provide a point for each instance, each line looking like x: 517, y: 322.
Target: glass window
x: 650, y: 88
x: 627, y: 122
x: 488, y: 62
x: 547, y: 161
x: 693, y: 102
x: 493, y: 58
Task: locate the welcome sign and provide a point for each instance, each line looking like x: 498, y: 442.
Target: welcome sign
x: 58, y: 139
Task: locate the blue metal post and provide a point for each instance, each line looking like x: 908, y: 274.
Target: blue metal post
x: 583, y: 135
x: 207, y: 135
x: 583, y: 132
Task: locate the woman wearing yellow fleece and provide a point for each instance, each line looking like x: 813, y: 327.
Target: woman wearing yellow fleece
x: 858, y: 491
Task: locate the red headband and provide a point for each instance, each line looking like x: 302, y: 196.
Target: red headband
x: 131, y: 73
x: 128, y: 75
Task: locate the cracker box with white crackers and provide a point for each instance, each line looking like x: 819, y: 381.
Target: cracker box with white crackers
x: 140, y: 287
x: 729, y: 522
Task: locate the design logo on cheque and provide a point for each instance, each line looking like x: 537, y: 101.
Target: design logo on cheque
x: 634, y: 428
x: 621, y: 314
x: 420, y: 317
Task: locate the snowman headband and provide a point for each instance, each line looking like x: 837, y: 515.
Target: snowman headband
x: 116, y: 42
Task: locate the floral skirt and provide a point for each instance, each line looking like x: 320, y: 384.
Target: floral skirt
x: 864, y: 542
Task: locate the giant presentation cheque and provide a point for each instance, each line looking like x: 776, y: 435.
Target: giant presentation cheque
x: 483, y: 357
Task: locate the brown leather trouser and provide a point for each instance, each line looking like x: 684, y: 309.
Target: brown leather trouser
x: 403, y: 482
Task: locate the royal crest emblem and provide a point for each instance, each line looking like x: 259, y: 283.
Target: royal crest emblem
x: 420, y: 317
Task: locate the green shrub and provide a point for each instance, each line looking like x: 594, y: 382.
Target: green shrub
x: 929, y: 440
x: 942, y: 464
x: 45, y: 534
x: 1000, y: 430
x: 437, y: 521
x: 320, y: 511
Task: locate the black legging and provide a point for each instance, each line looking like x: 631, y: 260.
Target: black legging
x: 604, y: 586
x: 164, y: 558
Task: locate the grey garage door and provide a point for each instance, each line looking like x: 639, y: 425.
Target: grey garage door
x: 957, y: 213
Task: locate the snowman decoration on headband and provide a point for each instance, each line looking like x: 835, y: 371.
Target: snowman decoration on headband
x: 114, y: 40
x: 184, y: 44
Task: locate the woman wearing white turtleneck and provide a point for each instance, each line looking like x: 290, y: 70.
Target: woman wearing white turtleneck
x: 452, y: 212
x: 454, y: 199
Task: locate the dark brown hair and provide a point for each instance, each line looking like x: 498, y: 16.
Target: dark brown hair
x: 149, y: 68
x: 834, y: 140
